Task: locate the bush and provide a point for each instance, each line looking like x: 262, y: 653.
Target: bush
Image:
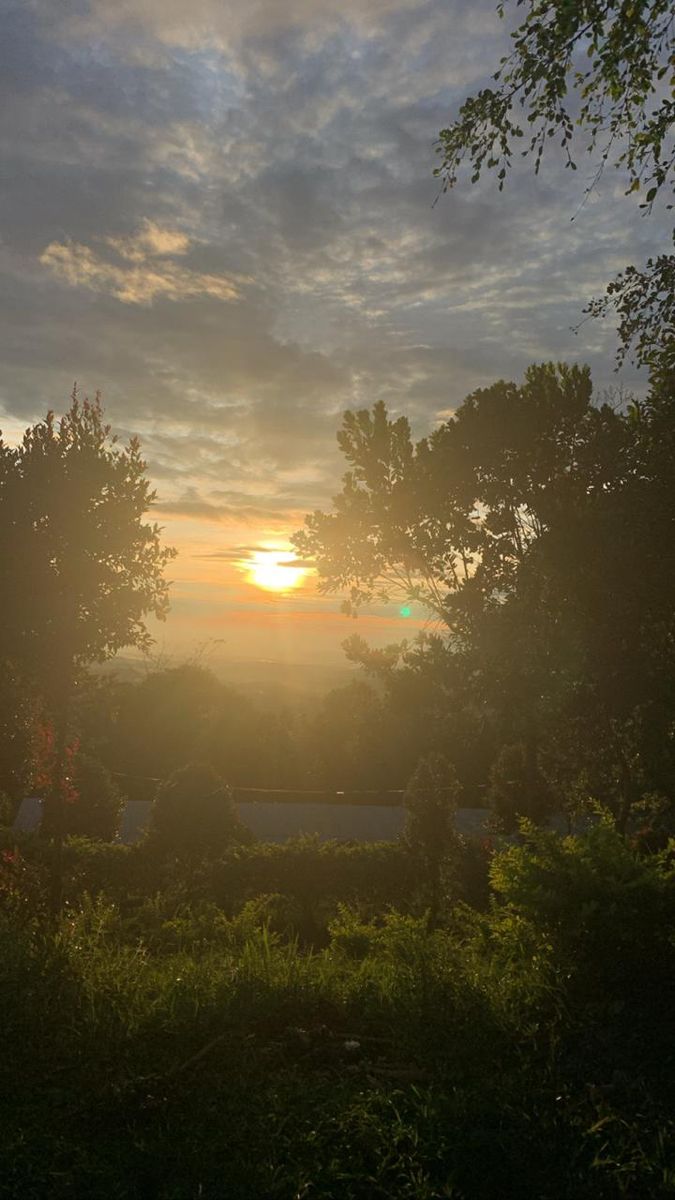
x: 608, y: 914
x: 315, y: 876
x: 96, y: 811
x: 431, y: 801
x: 198, y: 1052
x: 193, y: 815
x: 7, y: 808
x: 517, y: 788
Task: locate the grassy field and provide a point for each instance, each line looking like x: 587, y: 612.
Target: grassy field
x: 208, y: 1056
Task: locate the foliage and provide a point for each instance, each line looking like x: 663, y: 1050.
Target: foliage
x: 96, y: 811
x: 431, y: 803
x: 18, y: 721
x: 79, y: 568
x: 513, y: 523
x: 449, y: 521
x: 46, y: 755
x: 348, y: 741
x: 612, y: 54
x: 606, y: 910
x: 594, y: 69
x: 517, y: 788
x: 307, y: 878
x: 22, y: 885
x: 644, y: 302
x: 193, y: 815
x: 6, y: 809
x: 80, y: 565
x: 206, y: 1053
x: 315, y: 876
x: 146, y: 728
x: 91, y: 801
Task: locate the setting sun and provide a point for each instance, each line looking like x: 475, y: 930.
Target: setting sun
x: 273, y: 570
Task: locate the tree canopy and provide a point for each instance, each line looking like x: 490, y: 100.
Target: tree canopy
x: 79, y: 567
x: 601, y: 72
x: 80, y: 570
x: 536, y: 526
x: 193, y: 814
x: 448, y: 521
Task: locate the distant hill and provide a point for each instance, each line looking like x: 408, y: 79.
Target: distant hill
x: 264, y: 680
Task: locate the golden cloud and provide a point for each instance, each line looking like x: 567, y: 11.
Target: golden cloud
x: 146, y: 271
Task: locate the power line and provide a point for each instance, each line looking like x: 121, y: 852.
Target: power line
x: 235, y: 787
x: 260, y: 791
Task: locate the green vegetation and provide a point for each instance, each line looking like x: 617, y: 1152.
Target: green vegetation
x: 535, y: 526
x: 202, y: 1015
x: 176, y: 1051
x: 79, y: 571
x: 599, y: 72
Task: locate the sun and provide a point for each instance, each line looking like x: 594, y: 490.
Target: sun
x: 273, y: 570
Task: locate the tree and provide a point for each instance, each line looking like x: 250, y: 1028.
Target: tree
x: 150, y: 728
x: 537, y: 526
x: 431, y: 799
x: 449, y: 522
x: 517, y: 788
x: 18, y: 713
x: 193, y: 815
x: 346, y: 740
x: 96, y: 810
x: 603, y: 69
x: 79, y: 567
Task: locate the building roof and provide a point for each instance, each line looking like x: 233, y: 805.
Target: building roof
x: 29, y: 817
x: 271, y: 821
x: 135, y: 817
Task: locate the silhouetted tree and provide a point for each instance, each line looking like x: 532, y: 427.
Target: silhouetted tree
x: 193, y: 815
x: 517, y: 787
x: 79, y: 567
x: 153, y: 726
x: 449, y: 522
x: 431, y: 800
x: 96, y: 810
x: 538, y: 526
x: 18, y: 714
x: 350, y: 746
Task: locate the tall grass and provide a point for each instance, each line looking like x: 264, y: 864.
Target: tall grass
x: 177, y: 1052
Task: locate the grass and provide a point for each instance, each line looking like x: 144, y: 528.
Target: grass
x: 175, y: 1052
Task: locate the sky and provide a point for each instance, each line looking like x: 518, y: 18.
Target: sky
x: 222, y: 216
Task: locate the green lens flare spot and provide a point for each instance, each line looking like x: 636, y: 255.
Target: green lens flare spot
x: 405, y: 610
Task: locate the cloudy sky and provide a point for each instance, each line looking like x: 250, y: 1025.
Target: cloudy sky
x: 221, y: 214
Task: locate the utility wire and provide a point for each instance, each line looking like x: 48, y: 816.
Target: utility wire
x: 259, y: 791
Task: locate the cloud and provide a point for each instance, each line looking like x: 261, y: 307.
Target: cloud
x: 149, y: 275
x: 222, y: 216
x: 241, y: 554
x: 172, y: 23
x: 150, y: 242
x: 193, y: 507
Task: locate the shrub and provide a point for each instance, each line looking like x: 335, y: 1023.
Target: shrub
x: 96, y: 810
x: 6, y: 809
x: 23, y: 885
x: 315, y: 876
x: 607, y: 912
x: 431, y: 800
x: 517, y: 788
x: 193, y: 815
